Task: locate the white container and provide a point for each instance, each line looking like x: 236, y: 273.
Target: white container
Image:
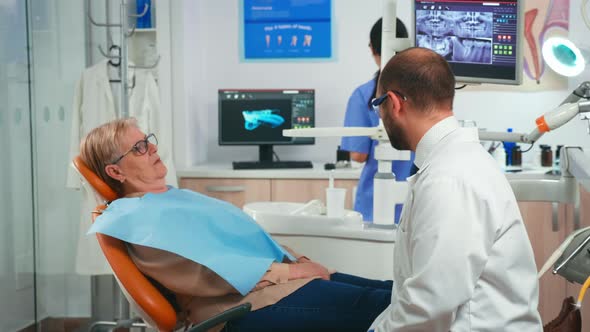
x: 500, y: 156
x: 335, y: 198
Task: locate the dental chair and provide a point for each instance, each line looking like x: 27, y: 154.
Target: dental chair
x: 570, y: 260
x: 146, y: 297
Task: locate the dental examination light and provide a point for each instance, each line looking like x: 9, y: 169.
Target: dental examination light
x: 386, y: 189
x: 563, y: 56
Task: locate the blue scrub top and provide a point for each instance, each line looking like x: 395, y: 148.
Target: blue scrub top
x: 359, y: 114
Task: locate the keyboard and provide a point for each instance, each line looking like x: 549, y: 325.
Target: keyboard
x: 272, y: 165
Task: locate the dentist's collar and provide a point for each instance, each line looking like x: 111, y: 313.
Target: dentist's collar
x: 432, y: 137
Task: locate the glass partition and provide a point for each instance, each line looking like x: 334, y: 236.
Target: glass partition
x: 17, y: 286
x: 57, y: 45
x: 41, y: 58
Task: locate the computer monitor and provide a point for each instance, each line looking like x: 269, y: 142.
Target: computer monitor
x: 258, y: 117
x: 480, y: 39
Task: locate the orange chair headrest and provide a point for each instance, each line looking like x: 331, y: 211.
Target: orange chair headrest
x: 93, y: 180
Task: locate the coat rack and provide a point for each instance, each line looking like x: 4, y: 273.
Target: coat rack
x: 123, y: 61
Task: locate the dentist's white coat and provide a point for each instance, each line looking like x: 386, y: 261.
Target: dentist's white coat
x: 94, y: 104
x: 463, y: 260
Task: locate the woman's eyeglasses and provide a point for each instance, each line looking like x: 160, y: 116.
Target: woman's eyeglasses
x: 141, y: 147
x: 376, y: 102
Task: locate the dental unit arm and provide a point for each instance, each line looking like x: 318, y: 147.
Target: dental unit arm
x: 386, y: 190
x: 572, y: 259
x: 577, y: 102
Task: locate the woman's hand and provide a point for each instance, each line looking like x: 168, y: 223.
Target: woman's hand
x: 303, y: 259
x: 308, y: 269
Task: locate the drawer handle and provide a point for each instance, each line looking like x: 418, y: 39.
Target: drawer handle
x: 226, y: 189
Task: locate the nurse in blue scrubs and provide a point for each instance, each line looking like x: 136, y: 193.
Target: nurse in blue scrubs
x: 359, y: 113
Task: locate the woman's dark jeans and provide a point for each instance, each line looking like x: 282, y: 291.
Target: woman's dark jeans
x: 345, y: 303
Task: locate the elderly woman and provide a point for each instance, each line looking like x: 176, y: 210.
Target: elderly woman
x: 213, y: 256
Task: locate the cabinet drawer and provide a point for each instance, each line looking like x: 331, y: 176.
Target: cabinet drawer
x: 304, y: 190
x: 235, y: 191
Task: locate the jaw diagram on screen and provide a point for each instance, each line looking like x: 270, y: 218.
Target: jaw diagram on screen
x: 268, y: 117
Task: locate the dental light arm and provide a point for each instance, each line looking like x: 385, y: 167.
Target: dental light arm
x: 332, y: 132
x: 557, y: 118
x: 577, y: 102
x: 391, y: 44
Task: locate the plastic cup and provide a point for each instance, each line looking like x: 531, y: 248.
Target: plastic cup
x: 335, y: 198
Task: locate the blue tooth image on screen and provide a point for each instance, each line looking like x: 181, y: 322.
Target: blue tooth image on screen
x: 457, y: 36
x: 253, y: 119
x: 259, y: 116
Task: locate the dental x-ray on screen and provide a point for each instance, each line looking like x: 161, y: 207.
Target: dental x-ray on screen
x: 479, y: 39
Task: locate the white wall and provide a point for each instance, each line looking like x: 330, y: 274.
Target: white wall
x: 211, y: 62
x: 209, y: 52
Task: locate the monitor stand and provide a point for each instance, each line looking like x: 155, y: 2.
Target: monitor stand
x: 265, y: 153
x: 265, y: 161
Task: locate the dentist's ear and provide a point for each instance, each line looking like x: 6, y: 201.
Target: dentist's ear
x: 395, y: 102
x: 115, y: 172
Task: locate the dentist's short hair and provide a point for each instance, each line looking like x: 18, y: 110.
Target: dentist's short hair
x: 423, y: 76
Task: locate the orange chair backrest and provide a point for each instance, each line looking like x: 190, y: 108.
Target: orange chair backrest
x: 152, y: 306
x: 94, y: 181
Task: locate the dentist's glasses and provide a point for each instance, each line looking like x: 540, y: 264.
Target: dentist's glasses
x: 140, y: 148
x: 376, y: 102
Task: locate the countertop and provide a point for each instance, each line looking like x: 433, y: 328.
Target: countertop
x: 224, y: 170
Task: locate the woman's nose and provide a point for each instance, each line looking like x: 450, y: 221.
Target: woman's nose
x: 153, y: 148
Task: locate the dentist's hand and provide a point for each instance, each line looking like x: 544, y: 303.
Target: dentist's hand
x: 308, y: 269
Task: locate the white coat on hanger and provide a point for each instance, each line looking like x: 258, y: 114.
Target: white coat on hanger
x: 94, y: 104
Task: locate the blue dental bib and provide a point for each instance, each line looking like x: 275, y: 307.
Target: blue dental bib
x: 205, y: 230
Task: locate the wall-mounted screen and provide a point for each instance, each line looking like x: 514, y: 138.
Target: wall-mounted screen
x: 481, y: 40
x: 287, y: 29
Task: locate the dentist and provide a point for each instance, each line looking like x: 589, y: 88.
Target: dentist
x: 463, y: 260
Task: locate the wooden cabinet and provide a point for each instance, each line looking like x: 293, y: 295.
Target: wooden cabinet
x: 538, y: 217
x: 545, y: 238
x: 241, y: 191
x: 236, y: 191
x: 296, y: 190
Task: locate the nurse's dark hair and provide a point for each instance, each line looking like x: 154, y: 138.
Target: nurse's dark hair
x: 421, y: 75
x: 102, y: 145
x: 375, y: 39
